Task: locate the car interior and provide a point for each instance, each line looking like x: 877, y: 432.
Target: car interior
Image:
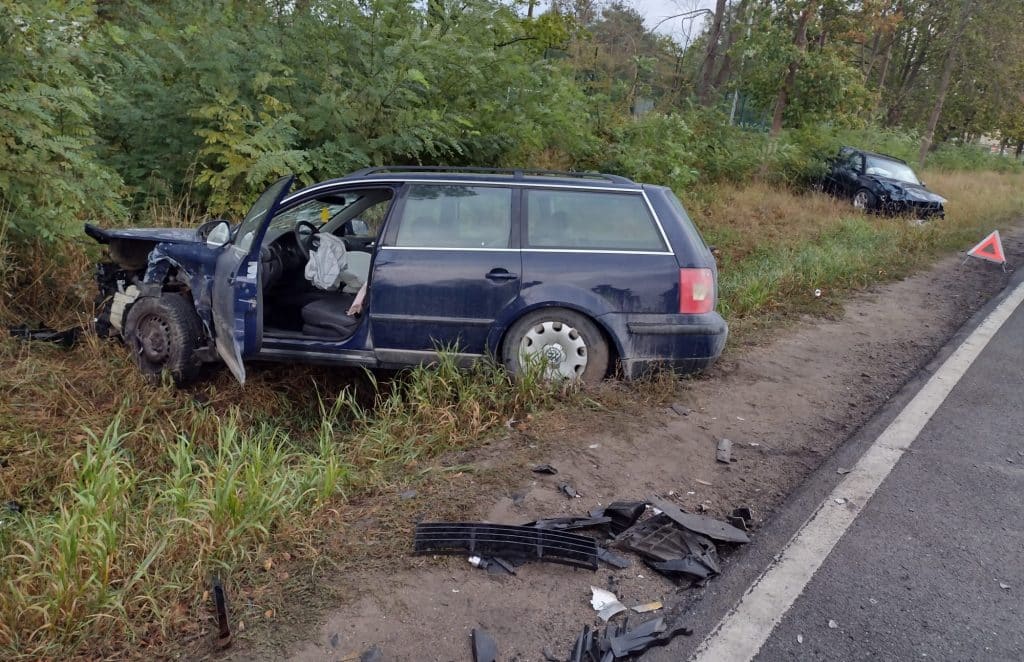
x: 293, y: 306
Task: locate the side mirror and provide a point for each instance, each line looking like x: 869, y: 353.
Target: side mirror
x: 217, y: 234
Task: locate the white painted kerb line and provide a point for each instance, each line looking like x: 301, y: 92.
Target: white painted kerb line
x: 742, y: 633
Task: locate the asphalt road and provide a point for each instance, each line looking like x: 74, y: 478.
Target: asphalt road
x: 932, y: 564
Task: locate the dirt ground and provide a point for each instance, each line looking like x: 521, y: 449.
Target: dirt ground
x: 786, y: 405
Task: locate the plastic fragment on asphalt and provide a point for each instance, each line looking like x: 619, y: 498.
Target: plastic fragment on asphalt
x: 799, y: 638
x: 647, y: 606
x: 840, y: 501
x: 1004, y: 586
x: 843, y: 471
x: 832, y: 625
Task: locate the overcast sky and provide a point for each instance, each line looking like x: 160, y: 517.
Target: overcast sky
x: 655, y: 11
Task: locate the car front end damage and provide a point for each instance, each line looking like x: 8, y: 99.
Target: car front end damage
x: 908, y: 200
x: 151, y: 263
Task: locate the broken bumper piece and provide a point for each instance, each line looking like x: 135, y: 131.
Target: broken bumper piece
x: 510, y: 542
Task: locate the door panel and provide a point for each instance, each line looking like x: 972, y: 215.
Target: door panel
x: 447, y: 269
x: 237, y: 291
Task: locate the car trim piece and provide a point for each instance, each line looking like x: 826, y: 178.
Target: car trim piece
x: 312, y: 356
x: 426, y: 319
x: 664, y: 329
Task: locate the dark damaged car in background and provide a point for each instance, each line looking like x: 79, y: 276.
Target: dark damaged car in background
x: 593, y: 274
x: 882, y: 184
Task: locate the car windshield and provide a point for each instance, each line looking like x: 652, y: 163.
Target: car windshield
x: 314, y: 212
x: 891, y: 169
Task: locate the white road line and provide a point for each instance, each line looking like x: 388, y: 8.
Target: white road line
x: 742, y: 633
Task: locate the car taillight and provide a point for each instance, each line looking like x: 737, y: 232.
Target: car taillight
x: 696, y: 291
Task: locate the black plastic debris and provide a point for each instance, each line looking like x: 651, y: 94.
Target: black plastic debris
x: 570, y: 523
x: 619, y: 642
x: 742, y: 518
x: 613, y: 559
x: 634, y: 641
x: 624, y: 514
x: 675, y: 552
x: 65, y: 338
x: 569, y: 491
x: 372, y: 654
x: 545, y: 469
x: 220, y: 603
x: 706, y: 526
x: 485, y: 649
x: 509, y: 542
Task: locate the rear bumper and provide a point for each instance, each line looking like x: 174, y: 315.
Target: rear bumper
x: 681, y: 343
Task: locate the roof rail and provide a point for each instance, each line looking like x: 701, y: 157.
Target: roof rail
x: 517, y: 173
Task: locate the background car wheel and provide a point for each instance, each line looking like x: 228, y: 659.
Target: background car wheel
x: 865, y: 200
x: 571, y: 344
x: 163, y: 333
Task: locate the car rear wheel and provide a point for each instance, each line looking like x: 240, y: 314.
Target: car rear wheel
x: 865, y: 200
x: 164, y: 333
x: 568, y: 343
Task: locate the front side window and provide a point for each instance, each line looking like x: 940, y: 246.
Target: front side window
x: 590, y: 220
x: 453, y: 216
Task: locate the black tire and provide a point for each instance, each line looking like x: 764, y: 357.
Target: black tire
x: 870, y: 200
x: 164, y: 333
x: 564, y: 325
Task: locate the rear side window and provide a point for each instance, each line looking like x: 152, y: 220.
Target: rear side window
x: 590, y: 220
x: 443, y: 216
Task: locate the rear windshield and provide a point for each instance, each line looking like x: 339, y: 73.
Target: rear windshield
x: 590, y: 220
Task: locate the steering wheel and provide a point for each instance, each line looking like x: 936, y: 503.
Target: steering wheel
x: 306, y: 237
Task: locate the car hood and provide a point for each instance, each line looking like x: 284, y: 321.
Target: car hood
x: 159, y: 235
x: 911, y: 192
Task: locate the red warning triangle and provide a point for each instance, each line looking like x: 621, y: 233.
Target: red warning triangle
x: 990, y: 248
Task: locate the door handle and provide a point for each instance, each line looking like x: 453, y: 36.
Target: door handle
x: 499, y: 274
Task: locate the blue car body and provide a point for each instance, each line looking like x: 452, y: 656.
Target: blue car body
x: 463, y: 298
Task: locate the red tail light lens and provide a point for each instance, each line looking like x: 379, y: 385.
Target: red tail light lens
x: 696, y: 291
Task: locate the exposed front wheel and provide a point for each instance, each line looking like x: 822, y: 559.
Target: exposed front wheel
x: 865, y: 200
x: 163, y: 333
x: 566, y: 343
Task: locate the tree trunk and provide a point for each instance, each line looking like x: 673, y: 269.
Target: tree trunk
x: 1020, y: 149
x: 529, y: 8
x: 725, y: 71
x: 707, y: 70
x: 947, y: 72
x: 789, y: 82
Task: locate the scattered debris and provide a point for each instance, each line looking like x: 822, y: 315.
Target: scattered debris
x: 1004, y: 586
x: 799, y: 638
x: 703, y: 482
x: 621, y: 642
x: 220, y: 603
x: 335, y: 640
x: 545, y: 469
x: 509, y: 542
x: 832, y: 625
x: 65, y: 338
x: 647, y: 606
x: 569, y: 491
x: 13, y: 507
x: 494, y: 564
x: 549, y: 656
x: 724, y: 452
x: 706, y: 526
x: 406, y: 495
x: 373, y: 654
x: 612, y: 559
x: 485, y: 649
x: 605, y: 603
x: 843, y: 471
x: 742, y: 518
x: 840, y: 501
x: 569, y: 523
x: 593, y: 446
x: 623, y: 514
x: 671, y: 550
x: 680, y: 409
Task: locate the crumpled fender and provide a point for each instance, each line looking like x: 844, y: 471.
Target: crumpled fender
x: 198, y: 275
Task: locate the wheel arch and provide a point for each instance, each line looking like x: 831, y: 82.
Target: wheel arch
x: 611, y: 339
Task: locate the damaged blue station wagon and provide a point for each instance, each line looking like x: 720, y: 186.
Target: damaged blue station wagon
x: 386, y: 266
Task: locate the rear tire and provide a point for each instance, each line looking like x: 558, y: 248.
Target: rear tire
x: 865, y: 200
x: 571, y: 343
x: 164, y: 333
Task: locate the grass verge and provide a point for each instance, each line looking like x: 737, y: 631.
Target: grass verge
x: 126, y: 498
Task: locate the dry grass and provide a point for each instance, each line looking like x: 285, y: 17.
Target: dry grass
x: 133, y: 494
